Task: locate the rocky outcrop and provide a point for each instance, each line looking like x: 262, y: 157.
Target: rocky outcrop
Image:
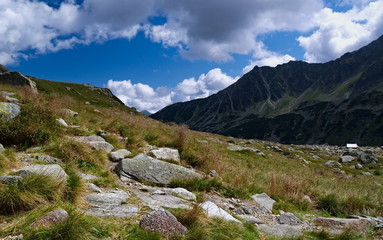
x: 143, y: 167
x: 163, y: 222
x: 95, y: 142
x: 166, y: 154
x: 15, y: 79
x: 51, y: 170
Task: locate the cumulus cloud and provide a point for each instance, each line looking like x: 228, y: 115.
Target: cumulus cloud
x: 144, y: 97
x: 339, y: 32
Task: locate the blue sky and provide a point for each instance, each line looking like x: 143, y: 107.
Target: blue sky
x: 152, y: 53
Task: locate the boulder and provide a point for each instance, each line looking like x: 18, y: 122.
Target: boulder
x: 51, y: 170
x: 164, y: 223
x: 51, y: 218
x: 2, y: 149
x: 166, y: 154
x: 281, y: 231
x: 180, y: 192
x: 62, y: 122
x: 16, y: 79
x: 289, y: 219
x: 143, y: 167
x: 95, y: 142
x: 346, y: 159
x: 358, y: 166
x: 212, y: 210
x: 93, y: 188
x: 69, y: 113
x: 367, y: 158
x: 341, y: 224
x: 264, y: 200
x: 333, y: 163
x: 157, y: 201
x: 9, y: 111
x: 119, y: 155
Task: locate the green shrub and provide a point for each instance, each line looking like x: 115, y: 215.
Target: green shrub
x: 74, y: 187
x: 33, y: 126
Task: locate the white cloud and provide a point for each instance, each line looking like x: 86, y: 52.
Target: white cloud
x: 339, y: 33
x: 144, y: 97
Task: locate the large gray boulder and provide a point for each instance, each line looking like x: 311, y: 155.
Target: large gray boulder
x: 143, y: 167
x: 95, y: 142
x: 166, y: 154
x: 212, y: 210
x: 9, y: 111
x: 16, y: 79
x: 164, y: 223
x: 51, y: 170
x: 264, y: 200
x: 347, y: 158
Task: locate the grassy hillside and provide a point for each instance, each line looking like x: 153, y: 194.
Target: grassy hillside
x: 281, y: 173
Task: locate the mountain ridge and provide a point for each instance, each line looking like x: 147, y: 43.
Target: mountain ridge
x: 292, y: 101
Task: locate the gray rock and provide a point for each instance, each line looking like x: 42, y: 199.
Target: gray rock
x: 9, y: 111
x: 93, y: 188
x: 250, y: 219
x: 106, y: 200
x: 289, y: 219
x: 158, y: 201
x: 95, y: 142
x: 87, y: 177
x: 17, y: 79
x: 164, y: 223
x: 10, y: 179
x: 367, y: 174
x: 281, y: 231
x: 214, y: 174
x: 367, y: 158
x: 143, y: 167
x: 62, y: 122
x: 264, y: 201
x: 43, y: 158
x: 333, y: 163
x: 347, y: 158
x: 180, y: 192
x: 358, y: 166
x: 212, y: 210
x: 121, y: 211
x: 70, y: 113
x: 51, y: 170
x: 341, y: 224
x: 166, y: 154
x: 2, y: 149
x: 51, y: 218
x: 119, y: 155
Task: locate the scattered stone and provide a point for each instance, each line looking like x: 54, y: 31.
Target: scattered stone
x: 338, y: 225
x: 166, y: 154
x: 289, y: 219
x: 358, y: 166
x: 87, y: 177
x: 367, y: 158
x: 163, y: 222
x: 281, y: 231
x: 212, y: 210
x: 70, y: 113
x: 180, y: 192
x: 157, y: 201
x: 51, y: 170
x: 339, y: 171
x: 202, y: 141
x: 233, y: 147
x: 97, y: 111
x: 214, y: 174
x: 367, y: 174
x: 95, y: 142
x: 16, y: 237
x: 250, y: 219
x: 9, y: 179
x: 333, y: 163
x: 264, y: 201
x: 62, y: 122
x: 92, y: 187
x: 16, y: 79
x: 50, y: 219
x: 9, y: 111
x: 307, y: 199
x: 143, y: 167
x: 87, y: 103
x: 347, y: 159
x: 2, y: 149
x: 119, y: 155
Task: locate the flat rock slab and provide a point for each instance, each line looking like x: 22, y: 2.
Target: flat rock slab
x: 340, y: 224
x: 9, y: 111
x: 164, y: 223
x: 156, y: 201
x: 51, y: 218
x: 51, y: 170
x: 212, y: 210
x: 122, y: 211
x: 281, y: 230
x: 119, y: 155
x: 143, y: 167
x: 95, y: 142
x: 289, y: 219
x: 166, y: 154
x: 264, y: 200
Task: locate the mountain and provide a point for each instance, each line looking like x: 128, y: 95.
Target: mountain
x: 335, y: 102
x: 146, y: 112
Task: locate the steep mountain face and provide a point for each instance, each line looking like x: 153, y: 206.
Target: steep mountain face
x: 336, y: 102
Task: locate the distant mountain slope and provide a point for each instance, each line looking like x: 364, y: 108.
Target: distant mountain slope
x: 336, y: 102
